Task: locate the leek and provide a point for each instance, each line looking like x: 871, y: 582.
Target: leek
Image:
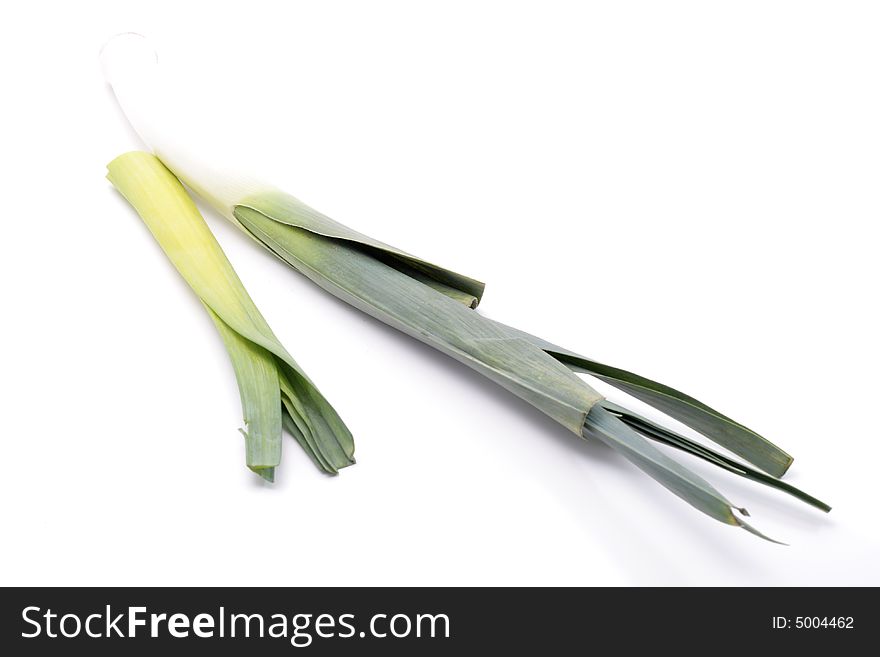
x: 274, y: 390
x: 436, y: 306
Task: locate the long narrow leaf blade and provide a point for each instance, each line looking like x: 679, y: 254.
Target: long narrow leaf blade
x: 256, y: 372
x: 331, y: 443
x: 290, y: 211
x: 690, y: 487
x: 728, y: 433
x: 674, y: 439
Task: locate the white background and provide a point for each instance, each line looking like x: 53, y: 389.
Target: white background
x: 685, y: 189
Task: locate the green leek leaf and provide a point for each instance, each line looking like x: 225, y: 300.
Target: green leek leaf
x: 728, y: 433
x: 263, y: 367
x: 676, y: 478
x: 673, y: 439
x: 500, y: 353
